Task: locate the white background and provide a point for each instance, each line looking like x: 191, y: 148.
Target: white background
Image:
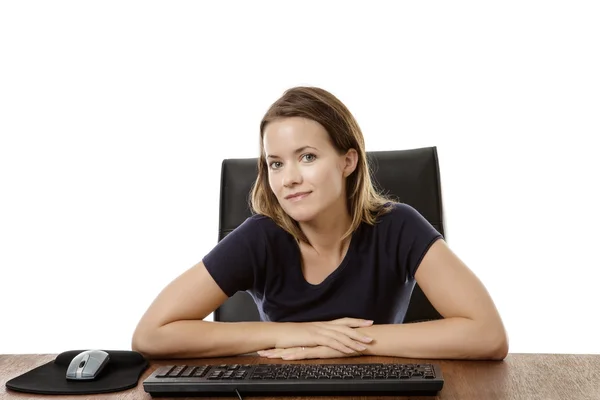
x: 115, y: 116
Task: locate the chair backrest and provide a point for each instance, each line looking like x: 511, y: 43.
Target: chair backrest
x: 409, y: 176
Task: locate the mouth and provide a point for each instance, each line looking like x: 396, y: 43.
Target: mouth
x: 297, y: 196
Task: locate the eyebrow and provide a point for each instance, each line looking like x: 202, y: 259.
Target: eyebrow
x: 300, y: 150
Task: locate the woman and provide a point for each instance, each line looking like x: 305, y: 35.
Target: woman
x: 330, y: 262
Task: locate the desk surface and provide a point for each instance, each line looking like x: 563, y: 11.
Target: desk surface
x: 519, y: 376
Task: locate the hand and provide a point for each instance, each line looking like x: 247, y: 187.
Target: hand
x: 338, y: 334
x: 305, y: 353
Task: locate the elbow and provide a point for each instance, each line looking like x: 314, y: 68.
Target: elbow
x: 499, y: 350
x: 493, y: 351
x: 144, y: 342
x: 487, y: 341
x: 496, y: 348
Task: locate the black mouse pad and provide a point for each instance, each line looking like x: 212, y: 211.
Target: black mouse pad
x: 122, y: 372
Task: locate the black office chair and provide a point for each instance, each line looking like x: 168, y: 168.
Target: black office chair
x: 409, y: 176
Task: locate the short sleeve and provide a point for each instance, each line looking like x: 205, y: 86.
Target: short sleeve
x: 416, y: 235
x: 233, y: 262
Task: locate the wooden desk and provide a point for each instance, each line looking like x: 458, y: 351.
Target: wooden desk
x: 519, y: 376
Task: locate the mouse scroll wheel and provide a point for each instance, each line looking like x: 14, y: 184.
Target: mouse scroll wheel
x: 81, y: 364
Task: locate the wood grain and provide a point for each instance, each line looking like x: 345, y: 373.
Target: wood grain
x: 520, y: 376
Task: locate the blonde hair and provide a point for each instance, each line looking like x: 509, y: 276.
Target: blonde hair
x: 365, y: 203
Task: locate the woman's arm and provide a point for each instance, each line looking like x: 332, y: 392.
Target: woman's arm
x: 471, y: 328
x: 173, y: 325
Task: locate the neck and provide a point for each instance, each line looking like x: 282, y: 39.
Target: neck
x: 325, y: 232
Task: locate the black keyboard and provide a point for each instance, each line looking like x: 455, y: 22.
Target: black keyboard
x: 295, y: 379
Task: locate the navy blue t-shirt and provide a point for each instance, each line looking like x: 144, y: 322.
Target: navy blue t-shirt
x: 374, y: 280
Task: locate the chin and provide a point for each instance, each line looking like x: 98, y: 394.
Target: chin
x: 299, y: 214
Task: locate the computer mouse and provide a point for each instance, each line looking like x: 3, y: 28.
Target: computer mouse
x: 87, y: 365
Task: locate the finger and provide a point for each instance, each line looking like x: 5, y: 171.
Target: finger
x: 351, y: 333
x: 351, y: 322
x: 349, y: 336
x: 340, y: 342
x: 298, y: 353
x: 306, y: 353
x: 269, y: 352
x: 284, y: 353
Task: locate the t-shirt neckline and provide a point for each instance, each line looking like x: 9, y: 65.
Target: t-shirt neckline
x: 334, y: 274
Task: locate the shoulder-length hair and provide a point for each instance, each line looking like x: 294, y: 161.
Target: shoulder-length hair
x: 364, y: 203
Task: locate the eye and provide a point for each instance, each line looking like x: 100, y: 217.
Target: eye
x: 309, y: 157
x: 275, y: 165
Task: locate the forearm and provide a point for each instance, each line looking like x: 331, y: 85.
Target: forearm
x: 450, y: 338
x: 197, y: 339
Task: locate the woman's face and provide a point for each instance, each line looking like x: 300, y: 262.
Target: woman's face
x: 306, y: 173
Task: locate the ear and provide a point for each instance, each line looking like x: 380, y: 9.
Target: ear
x: 350, y: 162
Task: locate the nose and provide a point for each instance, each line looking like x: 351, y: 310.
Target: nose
x: 291, y: 176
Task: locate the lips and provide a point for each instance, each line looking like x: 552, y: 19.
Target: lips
x: 297, y: 196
